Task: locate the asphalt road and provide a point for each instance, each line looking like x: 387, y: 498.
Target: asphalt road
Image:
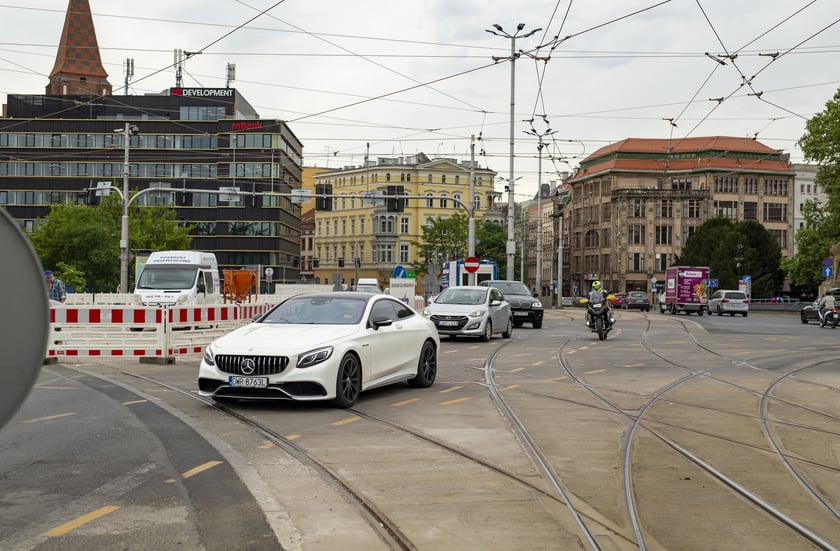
x: 109, y: 454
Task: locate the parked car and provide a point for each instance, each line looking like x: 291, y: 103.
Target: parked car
x: 322, y: 346
x: 471, y: 310
x: 724, y: 301
x: 811, y: 312
x: 618, y: 301
x: 637, y: 300
x: 526, y: 307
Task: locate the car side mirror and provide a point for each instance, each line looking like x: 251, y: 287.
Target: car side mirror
x: 495, y: 302
x: 381, y: 321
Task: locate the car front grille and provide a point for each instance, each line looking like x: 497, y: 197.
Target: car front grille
x: 520, y: 305
x: 263, y: 365
x: 461, y: 320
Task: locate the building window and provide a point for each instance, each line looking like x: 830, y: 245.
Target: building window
x: 443, y: 201
x: 727, y: 209
x: 636, y: 262
x: 692, y: 208
x: 751, y: 210
x: 430, y: 201
x: 726, y: 184
x: 663, y: 235
x: 404, y: 225
x: 403, y: 254
x: 352, y: 226
x: 775, y: 212
x: 665, y: 208
x: 443, y: 179
x: 636, y: 234
x: 637, y: 208
x: 750, y: 185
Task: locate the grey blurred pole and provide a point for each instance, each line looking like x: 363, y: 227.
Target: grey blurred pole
x: 540, y: 146
x: 124, y: 221
x: 511, y: 242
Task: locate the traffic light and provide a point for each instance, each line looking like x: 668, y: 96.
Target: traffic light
x: 323, y: 203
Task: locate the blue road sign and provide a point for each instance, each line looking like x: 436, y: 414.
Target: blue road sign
x: 399, y: 272
x: 828, y: 262
x: 746, y: 279
x: 713, y: 283
x: 828, y: 272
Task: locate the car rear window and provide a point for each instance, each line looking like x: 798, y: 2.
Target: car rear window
x: 736, y: 296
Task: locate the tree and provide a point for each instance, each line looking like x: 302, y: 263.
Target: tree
x: 821, y: 144
x: 87, y: 239
x: 83, y: 237
x: 734, y: 249
x: 446, y: 239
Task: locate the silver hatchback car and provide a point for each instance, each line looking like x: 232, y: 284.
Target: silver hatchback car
x: 471, y: 311
x: 729, y: 302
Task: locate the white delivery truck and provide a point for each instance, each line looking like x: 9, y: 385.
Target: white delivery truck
x: 183, y: 278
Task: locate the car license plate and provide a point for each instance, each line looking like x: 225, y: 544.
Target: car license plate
x: 520, y: 313
x: 248, y: 382
x: 445, y: 323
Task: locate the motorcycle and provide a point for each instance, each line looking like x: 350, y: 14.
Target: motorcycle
x: 599, y: 316
x: 830, y: 317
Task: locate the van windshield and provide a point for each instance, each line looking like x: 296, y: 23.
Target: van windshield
x: 168, y: 278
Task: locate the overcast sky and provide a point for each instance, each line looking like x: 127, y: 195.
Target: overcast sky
x: 419, y: 76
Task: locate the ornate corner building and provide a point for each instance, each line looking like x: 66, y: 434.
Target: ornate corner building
x: 635, y: 203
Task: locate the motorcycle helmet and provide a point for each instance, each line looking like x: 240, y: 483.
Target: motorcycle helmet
x: 596, y: 286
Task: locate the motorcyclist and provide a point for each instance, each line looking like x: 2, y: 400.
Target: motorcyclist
x: 598, y: 295
x: 826, y: 302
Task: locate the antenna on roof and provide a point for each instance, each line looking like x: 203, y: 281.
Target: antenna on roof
x: 230, y: 74
x: 129, y: 72
x: 179, y: 67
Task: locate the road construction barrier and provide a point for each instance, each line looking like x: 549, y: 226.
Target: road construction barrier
x: 142, y: 331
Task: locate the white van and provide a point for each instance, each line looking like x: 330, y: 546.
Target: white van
x: 368, y: 285
x: 183, y: 278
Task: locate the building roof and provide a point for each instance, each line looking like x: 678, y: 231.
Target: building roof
x: 78, y: 51
x: 686, y: 155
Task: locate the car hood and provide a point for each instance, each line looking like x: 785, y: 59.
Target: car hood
x: 279, y: 338
x: 454, y: 309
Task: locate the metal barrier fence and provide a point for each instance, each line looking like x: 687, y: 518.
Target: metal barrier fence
x: 141, y: 331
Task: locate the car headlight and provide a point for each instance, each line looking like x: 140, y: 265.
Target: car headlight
x: 183, y: 299
x: 478, y: 313
x: 314, y: 357
x: 427, y: 312
x: 536, y: 304
x: 209, y: 356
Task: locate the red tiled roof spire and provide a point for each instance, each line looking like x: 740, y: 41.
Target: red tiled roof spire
x: 78, y: 68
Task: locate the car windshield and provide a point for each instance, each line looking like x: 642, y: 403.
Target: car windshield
x: 318, y: 310
x: 512, y: 288
x: 461, y: 296
x: 166, y: 278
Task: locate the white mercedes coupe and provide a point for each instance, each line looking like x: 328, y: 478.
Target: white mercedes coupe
x: 322, y: 346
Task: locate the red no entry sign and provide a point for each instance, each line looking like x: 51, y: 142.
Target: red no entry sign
x: 471, y: 264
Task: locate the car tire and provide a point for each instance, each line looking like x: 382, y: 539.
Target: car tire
x: 732, y: 314
x: 426, y: 367
x: 719, y: 312
x: 488, y: 331
x: 744, y: 314
x: 348, y: 383
x: 803, y: 318
x: 508, y: 332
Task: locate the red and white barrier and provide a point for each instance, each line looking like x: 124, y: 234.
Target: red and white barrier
x: 139, y: 331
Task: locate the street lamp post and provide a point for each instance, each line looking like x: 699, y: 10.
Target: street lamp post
x: 511, y: 243
x: 548, y: 132
x: 128, y: 131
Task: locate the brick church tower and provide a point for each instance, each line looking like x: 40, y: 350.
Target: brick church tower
x: 78, y: 68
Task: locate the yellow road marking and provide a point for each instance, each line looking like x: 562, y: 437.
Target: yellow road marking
x: 518, y: 369
x: 51, y: 417
x: 134, y: 402
x: 596, y: 371
x: 346, y: 421
x: 455, y: 401
x: 509, y: 387
x: 450, y: 351
x: 266, y: 446
x: 522, y: 355
x: 293, y: 436
x: 453, y: 389
x: 81, y: 521
x: 562, y: 377
x: 55, y: 387
x: 405, y: 402
x: 541, y: 362
x: 200, y: 469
